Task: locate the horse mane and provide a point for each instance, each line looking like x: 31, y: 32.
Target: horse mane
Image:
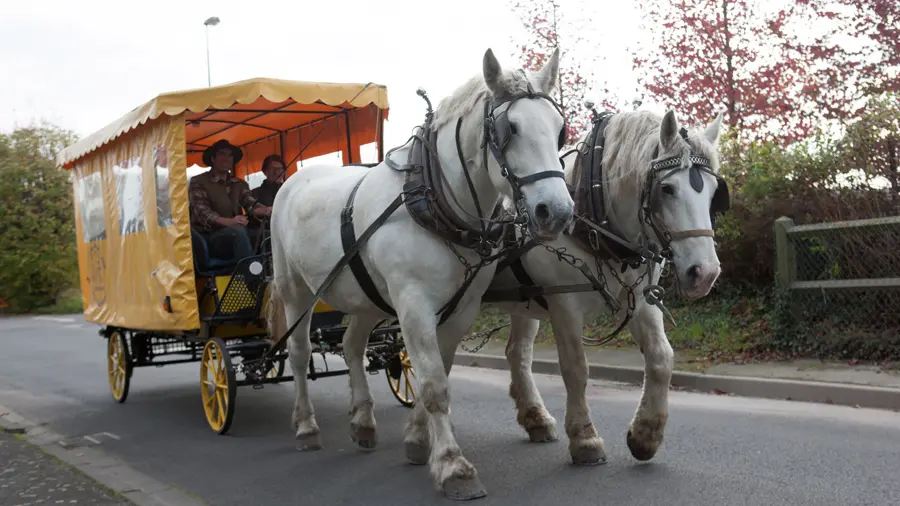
x: 473, y: 93
x: 467, y: 98
x: 631, y: 139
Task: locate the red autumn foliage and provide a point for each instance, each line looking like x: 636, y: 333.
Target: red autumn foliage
x: 734, y: 56
x: 543, y: 22
x: 873, y: 26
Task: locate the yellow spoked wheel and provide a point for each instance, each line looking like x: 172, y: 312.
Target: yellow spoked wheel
x: 400, y: 375
x: 118, y: 366
x: 218, y: 385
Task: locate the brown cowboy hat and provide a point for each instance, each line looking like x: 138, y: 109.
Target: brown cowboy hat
x: 210, y: 152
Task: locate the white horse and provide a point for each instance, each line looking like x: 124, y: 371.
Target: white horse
x: 642, y: 151
x: 413, y: 270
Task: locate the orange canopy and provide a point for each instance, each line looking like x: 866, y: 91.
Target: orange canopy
x: 295, y: 119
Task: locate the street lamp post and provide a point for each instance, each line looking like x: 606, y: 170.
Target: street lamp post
x: 213, y: 21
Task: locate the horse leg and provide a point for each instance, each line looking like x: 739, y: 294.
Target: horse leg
x: 416, y: 441
x: 306, y: 430
x: 585, y: 446
x: 531, y: 413
x: 362, y: 423
x: 417, y: 435
x: 645, y: 433
x: 453, y: 474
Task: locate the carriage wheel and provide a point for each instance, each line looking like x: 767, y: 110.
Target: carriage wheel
x: 400, y: 374
x: 118, y: 366
x: 218, y: 385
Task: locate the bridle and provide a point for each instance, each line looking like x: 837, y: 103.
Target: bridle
x: 651, y: 196
x: 498, y: 132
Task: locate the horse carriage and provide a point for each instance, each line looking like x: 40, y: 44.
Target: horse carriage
x: 581, y: 232
x: 159, y: 293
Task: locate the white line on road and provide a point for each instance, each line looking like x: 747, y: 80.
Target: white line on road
x: 59, y: 319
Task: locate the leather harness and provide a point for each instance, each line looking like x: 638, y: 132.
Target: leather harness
x: 425, y: 198
x: 593, y: 230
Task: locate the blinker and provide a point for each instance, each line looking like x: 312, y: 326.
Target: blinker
x: 696, y: 179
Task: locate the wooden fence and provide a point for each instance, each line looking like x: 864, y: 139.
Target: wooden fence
x: 840, y: 278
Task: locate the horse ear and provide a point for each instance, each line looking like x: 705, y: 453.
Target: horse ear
x: 549, y: 73
x: 492, y: 70
x: 712, y: 131
x: 668, y: 130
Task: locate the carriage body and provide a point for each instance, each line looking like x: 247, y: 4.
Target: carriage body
x: 147, y: 279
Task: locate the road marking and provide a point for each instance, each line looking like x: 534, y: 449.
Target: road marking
x: 58, y: 319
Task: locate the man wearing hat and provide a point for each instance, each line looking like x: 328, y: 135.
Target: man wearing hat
x: 217, y: 202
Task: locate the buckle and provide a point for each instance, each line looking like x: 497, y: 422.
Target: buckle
x: 346, y: 215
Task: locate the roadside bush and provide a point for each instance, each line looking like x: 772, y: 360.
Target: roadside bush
x: 38, y: 260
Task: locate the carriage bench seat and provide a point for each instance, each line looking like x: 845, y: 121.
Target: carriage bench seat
x: 205, y: 264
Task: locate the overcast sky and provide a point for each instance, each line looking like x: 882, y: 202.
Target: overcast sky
x: 81, y: 64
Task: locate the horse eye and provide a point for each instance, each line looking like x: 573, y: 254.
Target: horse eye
x: 668, y: 189
x: 513, y: 129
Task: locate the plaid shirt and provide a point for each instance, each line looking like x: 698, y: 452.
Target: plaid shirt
x: 203, y: 216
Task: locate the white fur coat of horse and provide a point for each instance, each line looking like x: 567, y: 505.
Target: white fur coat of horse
x: 414, y: 270
x: 631, y: 139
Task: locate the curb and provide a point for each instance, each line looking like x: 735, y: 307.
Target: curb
x: 140, y: 489
x: 861, y: 396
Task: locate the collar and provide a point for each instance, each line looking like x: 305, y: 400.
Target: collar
x: 228, y: 178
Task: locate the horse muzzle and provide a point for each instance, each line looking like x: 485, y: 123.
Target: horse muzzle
x: 549, y: 219
x: 698, y: 279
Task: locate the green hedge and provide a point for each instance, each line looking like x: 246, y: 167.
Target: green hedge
x: 38, y: 260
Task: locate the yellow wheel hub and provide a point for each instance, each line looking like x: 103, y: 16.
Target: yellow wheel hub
x: 403, y: 388
x: 117, y: 366
x: 218, y: 386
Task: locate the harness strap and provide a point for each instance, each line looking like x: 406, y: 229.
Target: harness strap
x: 348, y: 236
x: 344, y: 260
x: 522, y: 277
x: 697, y: 232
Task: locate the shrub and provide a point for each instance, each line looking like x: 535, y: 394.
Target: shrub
x: 38, y: 260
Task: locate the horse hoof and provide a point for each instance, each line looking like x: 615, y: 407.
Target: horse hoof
x: 641, y: 449
x: 463, y: 489
x: 589, y: 453
x: 309, y: 443
x: 416, y: 453
x: 545, y: 434
x: 365, y: 437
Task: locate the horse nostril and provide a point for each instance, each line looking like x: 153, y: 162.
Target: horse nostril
x: 694, y: 271
x: 542, y: 212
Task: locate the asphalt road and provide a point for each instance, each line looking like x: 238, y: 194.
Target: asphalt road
x: 719, y: 450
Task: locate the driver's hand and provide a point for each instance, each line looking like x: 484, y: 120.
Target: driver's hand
x: 240, y: 220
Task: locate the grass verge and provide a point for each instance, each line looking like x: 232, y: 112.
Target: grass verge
x: 719, y: 328
x: 65, y: 305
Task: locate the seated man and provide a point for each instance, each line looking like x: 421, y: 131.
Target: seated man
x: 217, y: 200
x: 274, y: 170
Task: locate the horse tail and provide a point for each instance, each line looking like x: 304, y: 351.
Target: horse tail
x: 276, y: 321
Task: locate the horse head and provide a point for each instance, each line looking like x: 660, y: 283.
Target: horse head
x: 525, y: 130
x: 675, y: 171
